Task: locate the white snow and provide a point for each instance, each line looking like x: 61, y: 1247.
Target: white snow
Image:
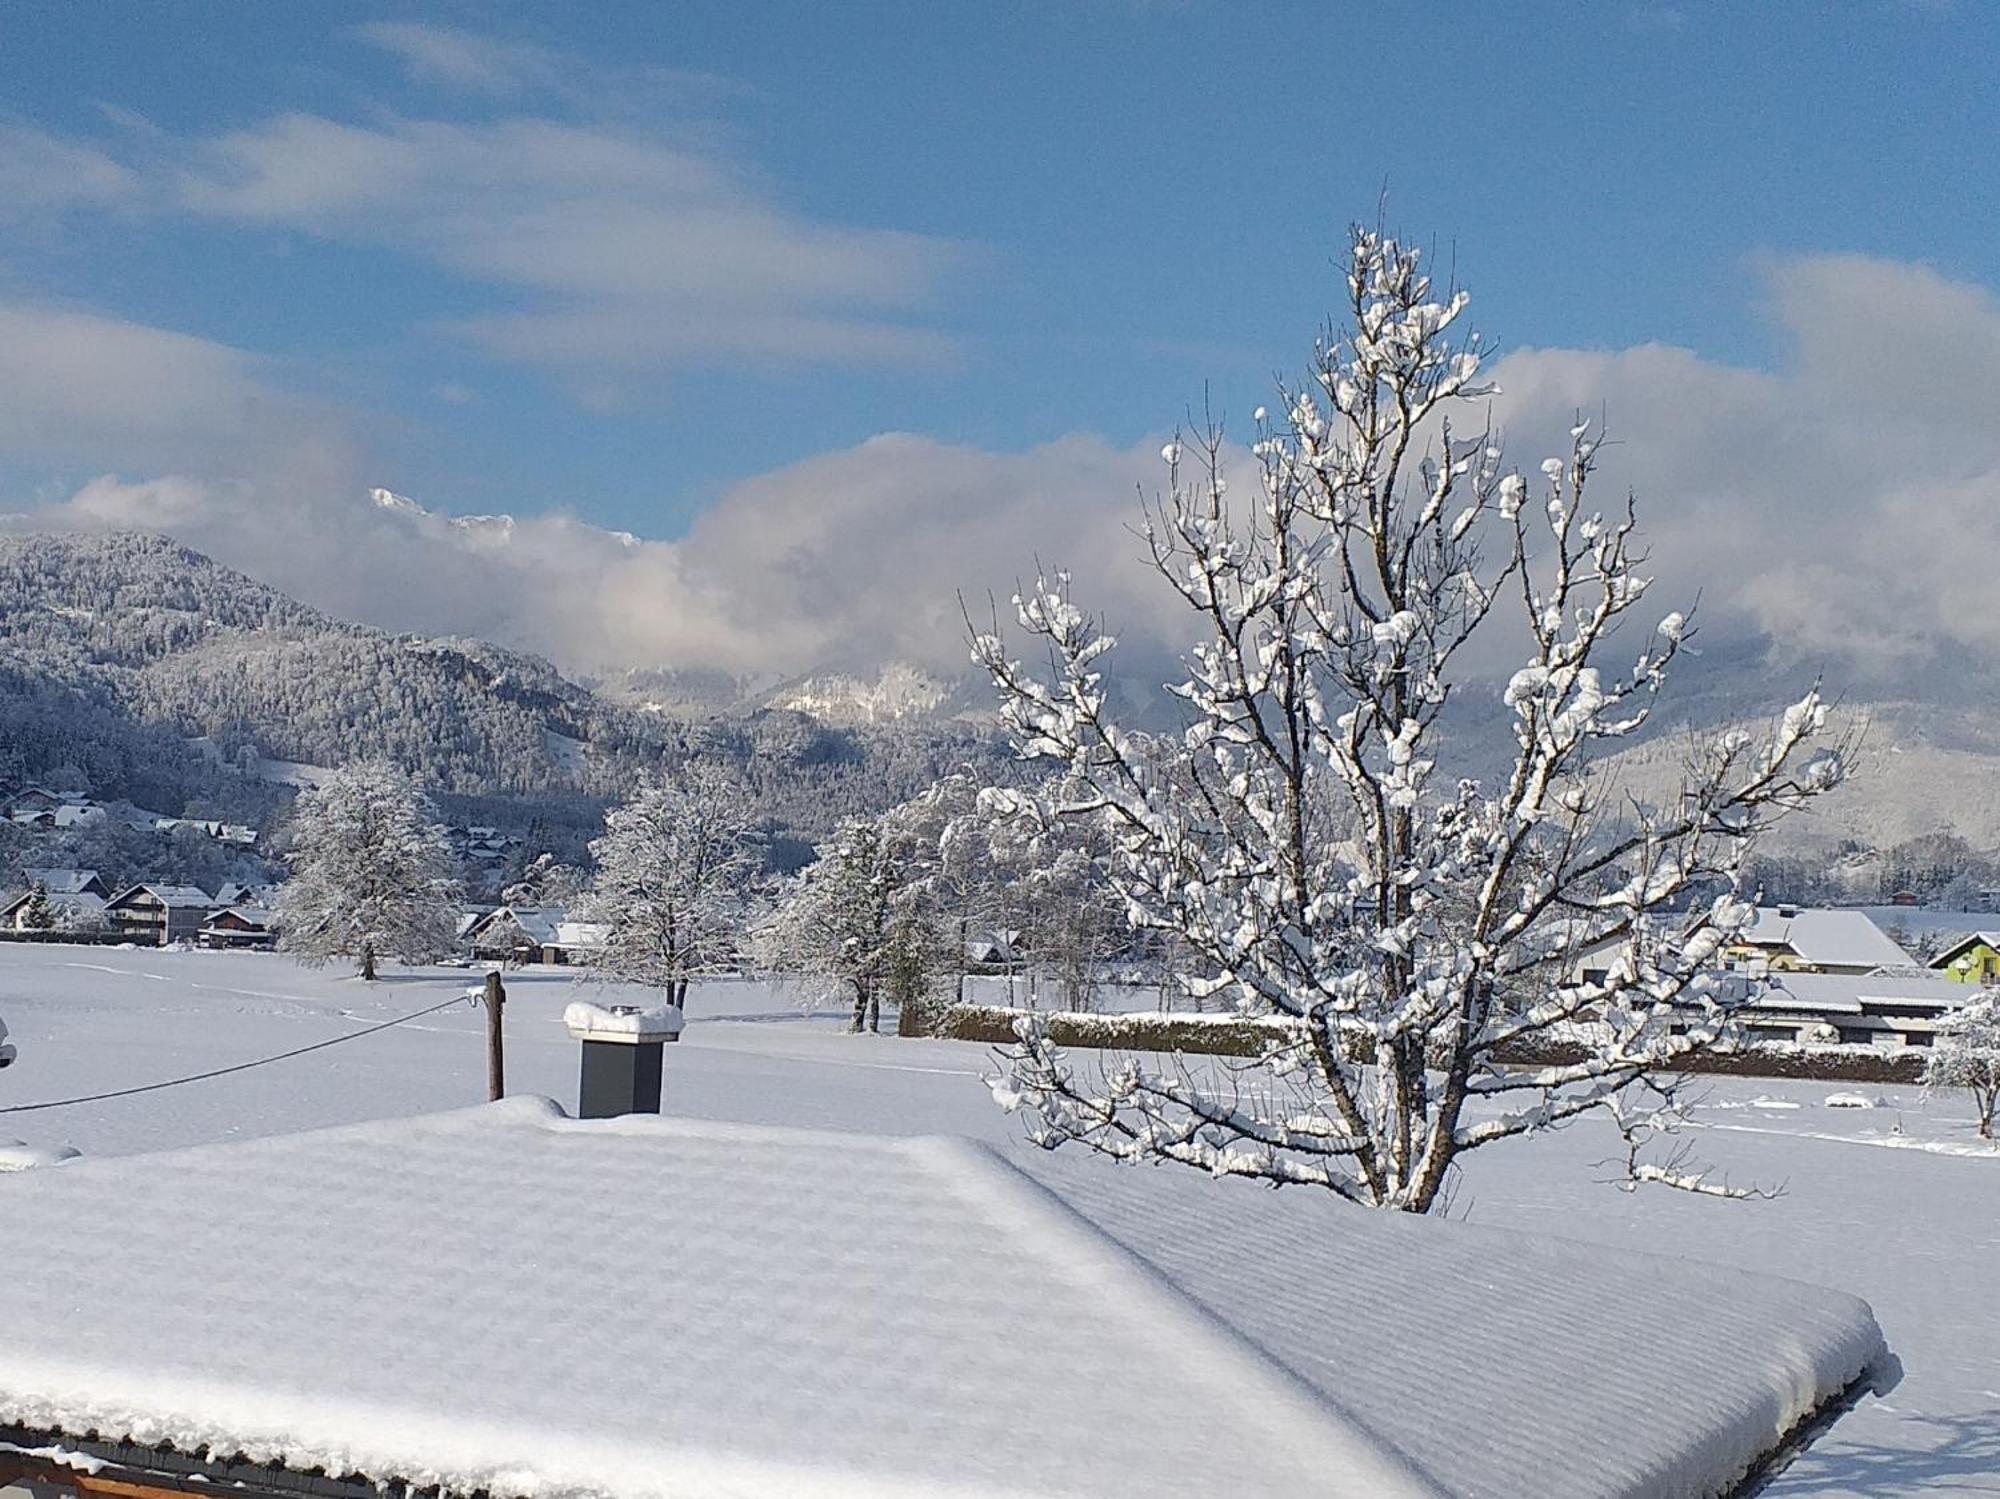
x: 856, y: 1315
x: 1911, y: 1228
x: 1836, y: 938
x: 19, y: 1155
x: 581, y: 1017
x: 572, y: 755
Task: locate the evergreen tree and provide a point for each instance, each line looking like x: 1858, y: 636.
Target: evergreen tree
x: 38, y: 915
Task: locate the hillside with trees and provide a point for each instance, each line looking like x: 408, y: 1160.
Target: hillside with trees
x: 136, y: 668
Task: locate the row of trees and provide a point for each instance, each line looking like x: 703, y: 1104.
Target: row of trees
x: 680, y: 889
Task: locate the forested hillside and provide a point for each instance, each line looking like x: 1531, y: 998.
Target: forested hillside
x: 135, y: 667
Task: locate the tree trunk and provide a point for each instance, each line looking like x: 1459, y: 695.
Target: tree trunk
x: 368, y: 962
x: 854, y: 1026
x: 875, y: 1011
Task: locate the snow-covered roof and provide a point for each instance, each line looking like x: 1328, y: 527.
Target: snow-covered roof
x: 582, y: 933
x: 169, y: 895
x: 503, y: 1299
x: 540, y: 927
x: 258, y: 916
x: 1849, y: 992
x: 1840, y: 939
x: 60, y: 881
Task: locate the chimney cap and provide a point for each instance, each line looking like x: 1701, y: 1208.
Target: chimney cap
x: 630, y: 1025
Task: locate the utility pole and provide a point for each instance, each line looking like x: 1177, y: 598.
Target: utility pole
x: 496, y: 1046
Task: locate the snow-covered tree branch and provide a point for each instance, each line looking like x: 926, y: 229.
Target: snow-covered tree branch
x: 1299, y: 840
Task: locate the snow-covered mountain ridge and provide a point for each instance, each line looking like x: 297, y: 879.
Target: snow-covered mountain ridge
x: 144, y: 669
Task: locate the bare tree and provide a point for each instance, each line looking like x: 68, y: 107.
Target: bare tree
x: 1404, y: 933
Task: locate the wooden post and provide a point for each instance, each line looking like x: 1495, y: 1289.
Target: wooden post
x: 496, y: 1046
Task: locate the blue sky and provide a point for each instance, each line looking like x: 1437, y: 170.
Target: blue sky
x: 842, y: 309
x: 1110, y: 204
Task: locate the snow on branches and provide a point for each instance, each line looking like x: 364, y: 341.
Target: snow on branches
x: 1966, y: 1054
x: 371, y: 872
x: 673, y: 868
x: 1420, y: 934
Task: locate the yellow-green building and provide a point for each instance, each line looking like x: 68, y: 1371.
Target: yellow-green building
x: 1971, y: 960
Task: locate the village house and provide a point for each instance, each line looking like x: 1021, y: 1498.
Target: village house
x: 246, y: 926
x: 1883, y: 1010
x: 39, y: 808
x: 1801, y: 939
x: 693, y: 1308
x: 156, y: 915
x: 523, y: 936
x: 76, y: 911
x: 69, y: 882
x: 992, y: 952
x: 1973, y: 959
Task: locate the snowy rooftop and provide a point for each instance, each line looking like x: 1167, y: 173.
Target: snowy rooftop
x: 171, y: 895
x: 1850, y: 991
x: 1842, y: 939
x: 503, y: 1299
x: 60, y: 881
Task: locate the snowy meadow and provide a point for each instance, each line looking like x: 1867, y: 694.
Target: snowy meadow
x: 1883, y: 1194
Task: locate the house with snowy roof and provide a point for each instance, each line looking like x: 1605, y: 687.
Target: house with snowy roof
x: 521, y: 935
x: 155, y: 915
x: 73, y: 910
x: 1973, y: 959
x: 682, y: 1309
x: 1801, y: 939
x: 245, y: 927
x: 68, y: 882
x: 1885, y: 1010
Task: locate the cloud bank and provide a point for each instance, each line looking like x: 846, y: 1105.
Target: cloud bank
x: 1832, y: 511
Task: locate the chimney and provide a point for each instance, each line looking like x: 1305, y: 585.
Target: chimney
x: 622, y: 1051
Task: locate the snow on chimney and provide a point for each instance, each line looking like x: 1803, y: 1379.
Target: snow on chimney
x: 623, y: 1046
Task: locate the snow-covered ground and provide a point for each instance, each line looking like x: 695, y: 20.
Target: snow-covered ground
x: 1896, y: 1202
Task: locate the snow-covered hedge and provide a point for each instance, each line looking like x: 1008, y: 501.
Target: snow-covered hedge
x: 1248, y: 1036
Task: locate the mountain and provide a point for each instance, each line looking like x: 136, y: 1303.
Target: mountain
x: 148, y: 671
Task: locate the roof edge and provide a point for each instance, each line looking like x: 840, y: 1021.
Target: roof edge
x: 1079, y: 1250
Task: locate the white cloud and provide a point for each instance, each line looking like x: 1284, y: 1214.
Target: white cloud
x: 1821, y: 506
x: 622, y: 249
x: 79, y: 389
x: 463, y: 59
x: 39, y: 171
x: 1835, y: 510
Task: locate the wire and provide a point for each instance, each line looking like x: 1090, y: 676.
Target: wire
x: 198, y: 1077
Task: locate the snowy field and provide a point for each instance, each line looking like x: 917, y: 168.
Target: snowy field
x: 1897, y: 1203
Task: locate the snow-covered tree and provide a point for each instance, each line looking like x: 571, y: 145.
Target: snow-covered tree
x: 39, y: 914
x: 861, y: 921
x: 672, y: 871
x: 1046, y: 883
x: 544, y: 882
x: 1966, y: 1055
x: 1409, y: 935
x: 371, y: 872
